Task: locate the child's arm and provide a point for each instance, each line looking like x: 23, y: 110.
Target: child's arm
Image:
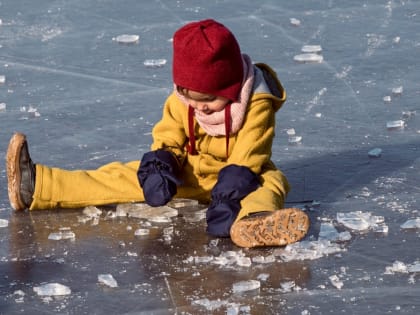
x: 169, y: 133
x: 253, y: 142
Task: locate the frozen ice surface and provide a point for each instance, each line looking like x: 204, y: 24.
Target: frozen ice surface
x: 127, y: 39
x: 308, y: 58
x: 411, y: 224
x: 52, y: 289
x: 247, y: 285
x: 97, y: 103
x: 108, y: 280
x: 4, y: 223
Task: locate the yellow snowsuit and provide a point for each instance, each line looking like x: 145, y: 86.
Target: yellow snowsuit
x: 251, y: 147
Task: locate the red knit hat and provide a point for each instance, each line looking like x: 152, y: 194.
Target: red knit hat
x: 207, y: 59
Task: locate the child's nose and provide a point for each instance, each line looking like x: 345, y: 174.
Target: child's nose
x: 200, y: 106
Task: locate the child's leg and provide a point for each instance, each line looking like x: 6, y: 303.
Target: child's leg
x: 113, y: 183
x: 260, y: 221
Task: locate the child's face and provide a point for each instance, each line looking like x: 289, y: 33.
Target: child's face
x: 206, y: 103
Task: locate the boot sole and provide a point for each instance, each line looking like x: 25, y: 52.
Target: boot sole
x: 278, y: 228
x: 13, y: 170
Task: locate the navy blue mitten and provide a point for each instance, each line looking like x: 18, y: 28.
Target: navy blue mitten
x: 233, y: 184
x: 157, y: 177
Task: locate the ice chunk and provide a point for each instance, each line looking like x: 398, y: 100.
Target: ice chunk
x: 376, y: 152
x: 311, y: 49
x: 308, y: 58
x: 247, y: 285
x: 295, y: 139
x: 414, y: 267
x: 52, y: 289
x: 395, y: 124
x: 287, y: 286
x: 397, y: 266
x: 294, y: 22
x: 210, y: 305
x: 243, y: 261
x: 307, y: 250
x: 4, y: 223
x: 2, y: 79
x: 182, y: 202
x: 154, y: 63
x: 358, y: 220
x: 195, y: 216
x: 63, y: 234
x: 108, y: 280
x: 141, y: 232
x: 144, y: 211
x: 387, y: 99
x: 127, y: 39
x: 329, y: 232
x: 2, y: 107
x: 291, y: 132
x: 263, y: 276
x: 411, y: 224
x: 335, y: 281
x: 397, y: 90
x: 92, y: 211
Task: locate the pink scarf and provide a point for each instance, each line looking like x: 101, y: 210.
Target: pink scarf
x: 214, y: 124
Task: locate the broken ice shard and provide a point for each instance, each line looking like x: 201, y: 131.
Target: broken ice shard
x: 411, y: 224
x: 243, y: 286
x: 358, y: 220
x: 108, y: 280
x: 376, y: 152
x: 141, y: 232
x: 328, y: 232
x: 154, y: 63
x: 127, y: 39
x: 294, y: 22
x: 144, y: 211
x: 308, y: 58
x: 397, y: 90
x: 182, y: 202
x: 295, y: 139
x: 311, y: 48
x: 2, y: 79
x: 63, y: 234
x: 395, y: 124
x: 52, y: 289
x: 335, y: 281
x: 4, y: 223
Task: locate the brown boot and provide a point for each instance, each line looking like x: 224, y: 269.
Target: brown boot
x: 277, y: 228
x: 20, y: 173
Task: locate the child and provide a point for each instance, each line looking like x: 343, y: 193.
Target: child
x: 212, y: 144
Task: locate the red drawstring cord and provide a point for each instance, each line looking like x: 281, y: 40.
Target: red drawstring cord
x: 227, y: 127
x: 191, y: 145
